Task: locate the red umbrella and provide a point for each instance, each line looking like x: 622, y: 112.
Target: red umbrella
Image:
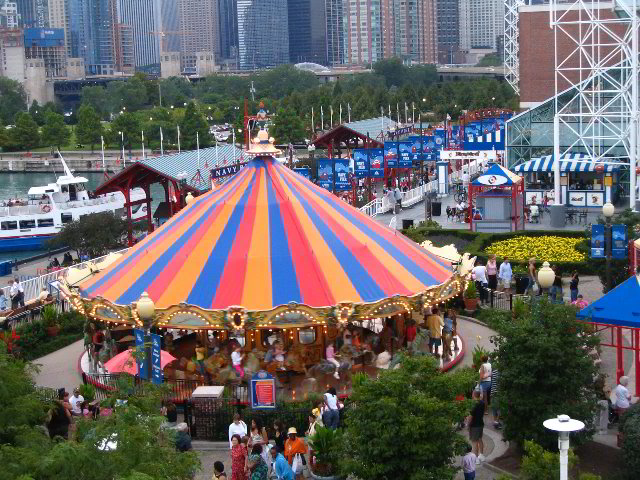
x: 125, y: 362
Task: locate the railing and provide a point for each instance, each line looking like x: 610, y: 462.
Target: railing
x: 409, y: 198
x: 504, y: 300
x: 36, y: 209
x: 34, y: 286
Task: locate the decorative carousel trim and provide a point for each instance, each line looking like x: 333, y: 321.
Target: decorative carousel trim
x: 230, y: 318
x: 343, y: 312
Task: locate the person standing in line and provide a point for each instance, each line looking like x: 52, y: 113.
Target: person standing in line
x: 475, y: 421
x: 505, y: 274
x: 20, y: 289
x: 492, y: 273
x: 293, y: 446
x: 281, y: 467
x: 13, y: 294
x: 237, y: 427
x: 3, y: 301
x: 435, y: 325
x: 331, y: 415
x: 238, y: 458
x: 397, y: 195
x: 485, y: 379
x: 469, y: 464
x: 410, y: 333
x: 218, y: 471
x: 480, y: 275
x: 557, y: 295
x: 533, y: 277
x: 279, y: 436
x: 256, y: 464
x: 573, y: 286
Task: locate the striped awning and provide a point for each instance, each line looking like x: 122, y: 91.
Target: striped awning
x: 575, y: 162
x: 264, y: 239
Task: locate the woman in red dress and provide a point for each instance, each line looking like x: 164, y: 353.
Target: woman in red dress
x: 238, y: 459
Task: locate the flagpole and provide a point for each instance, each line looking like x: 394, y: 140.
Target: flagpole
x: 217, y: 163
x: 340, y: 114
x: 313, y: 126
x: 142, y: 144
x: 102, y: 142
x: 331, y: 109
x: 413, y: 112
x: 398, y: 112
x: 161, y: 143
x: 198, y: 147
x: 390, y: 112
x: 322, y: 117
x: 178, y: 137
x: 349, y: 111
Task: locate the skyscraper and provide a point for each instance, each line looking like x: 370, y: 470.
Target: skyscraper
x: 263, y: 33
x: 33, y: 13
x: 447, y: 30
x: 427, y: 32
x: 408, y: 30
x: 59, y: 18
x: 92, y: 34
x: 198, y: 22
x: 363, y: 31
x: 307, y: 31
x: 144, y: 19
x: 336, y: 32
x: 228, y: 28
x: 481, y: 23
x: 9, y: 17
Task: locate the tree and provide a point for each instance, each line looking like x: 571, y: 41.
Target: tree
x: 490, y: 60
x: 129, y: 95
x: 89, y: 128
x: 193, y: 122
x: 94, y: 234
x: 403, y: 424
x: 129, y: 124
x: 96, y: 97
x: 54, y: 131
x: 545, y: 370
x: 37, y: 112
x: 25, y: 134
x: 14, y: 100
x: 287, y: 127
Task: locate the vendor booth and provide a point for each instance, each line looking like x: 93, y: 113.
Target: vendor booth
x: 496, y: 201
x: 582, y: 183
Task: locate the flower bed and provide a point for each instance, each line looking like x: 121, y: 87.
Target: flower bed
x: 549, y: 248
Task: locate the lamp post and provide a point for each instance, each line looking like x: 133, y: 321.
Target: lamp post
x: 607, y: 211
x: 189, y: 198
x: 122, y: 138
x: 146, y: 311
x: 182, y: 178
x: 546, y: 276
x: 564, y: 426
x: 311, y: 149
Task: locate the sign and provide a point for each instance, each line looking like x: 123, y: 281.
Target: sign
x: 405, y: 159
x: 469, y: 155
x: 341, y: 171
x: 226, y: 170
x: 157, y: 375
x: 577, y: 199
x: 376, y: 162
x: 142, y: 364
x: 595, y: 199
x: 304, y: 171
x: 361, y: 163
x: 619, y: 241
x: 263, y: 391
x: 597, y: 241
x: 390, y: 154
x: 492, y: 180
x: 325, y: 173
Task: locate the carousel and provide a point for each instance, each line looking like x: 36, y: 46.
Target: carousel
x: 272, y: 266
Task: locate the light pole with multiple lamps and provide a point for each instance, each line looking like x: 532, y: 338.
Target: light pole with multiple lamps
x: 146, y: 310
x: 607, y: 212
x: 564, y: 426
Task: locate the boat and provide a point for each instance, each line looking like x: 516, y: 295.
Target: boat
x: 28, y: 224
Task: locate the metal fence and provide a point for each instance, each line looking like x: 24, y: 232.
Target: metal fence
x: 503, y: 300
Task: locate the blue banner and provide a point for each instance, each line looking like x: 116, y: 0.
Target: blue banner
x: 390, y: 154
x: 142, y: 364
x: 407, y: 152
x: 376, y: 162
x: 597, y: 241
x: 361, y: 163
x: 157, y: 375
x: 304, y: 171
x: 263, y: 391
x: 341, y: 169
x: 325, y: 173
x: 620, y: 247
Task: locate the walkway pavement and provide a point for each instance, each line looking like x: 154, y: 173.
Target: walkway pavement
x: 59, y: 369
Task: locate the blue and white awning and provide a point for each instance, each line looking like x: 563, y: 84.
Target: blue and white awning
x: 574, y: 162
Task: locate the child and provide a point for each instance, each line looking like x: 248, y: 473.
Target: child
x: 236, y: 359
x: 218, y: 471
x: 279, y: 354
x: 469, y: 464
x: 330, y: 354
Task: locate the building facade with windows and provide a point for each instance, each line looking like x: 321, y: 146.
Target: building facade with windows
x: 198, y: 26
x: 263, y: 33
x: 307, y: 31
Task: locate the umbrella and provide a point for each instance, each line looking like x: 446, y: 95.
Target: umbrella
x: 125, y: 362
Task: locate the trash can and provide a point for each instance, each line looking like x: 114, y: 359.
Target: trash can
x: 3, y: 269
x: 436, y: 209
x: 407, y: 223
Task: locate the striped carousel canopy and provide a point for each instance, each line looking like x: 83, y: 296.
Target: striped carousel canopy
x: 264, y: 239
x: 574, y: 162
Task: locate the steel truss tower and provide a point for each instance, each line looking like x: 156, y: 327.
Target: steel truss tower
x: 512, y: 43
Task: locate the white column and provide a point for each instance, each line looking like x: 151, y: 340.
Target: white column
x: 563, y: 446
x: 633, y: 141
x: 556, y: 160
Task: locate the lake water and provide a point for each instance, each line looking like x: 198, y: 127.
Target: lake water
x: 17, y: 184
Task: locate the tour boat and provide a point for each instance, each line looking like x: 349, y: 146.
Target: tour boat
x: 28, y: 224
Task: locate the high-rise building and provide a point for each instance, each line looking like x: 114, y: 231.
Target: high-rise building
x: 9, y: 16
x: 427, y: 32
x: 408, y: 30
x: 33, y: 13
x: 59, y: 18
x: 144, y: 19
x: 481, y: 23
x: 336, y: 32
x: 124, y: 48
x: 170, y: 22
x: 48, y: 45
x: 92, y: 34
x: 447, y: 31
x: 228, y: 28
x: 263, y: 33
x: 363, y: 31
x: 198, y: 21
x: 307, y: 31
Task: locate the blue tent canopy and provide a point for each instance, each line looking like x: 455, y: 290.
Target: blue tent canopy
x: 496, y: 176
x: 617, y: 307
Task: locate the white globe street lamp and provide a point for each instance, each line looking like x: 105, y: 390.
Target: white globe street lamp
x: 564, y: 426
x: 546, y: 276
x: 189, y: 198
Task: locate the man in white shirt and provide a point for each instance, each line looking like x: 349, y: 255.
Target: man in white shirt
x: 505, y: 274
x: 76, y: 402
x: 237, y: 427
x: 622, y: 395
x: 480, y: 275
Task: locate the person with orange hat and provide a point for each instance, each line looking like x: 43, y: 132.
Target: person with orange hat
x: 293, y: 446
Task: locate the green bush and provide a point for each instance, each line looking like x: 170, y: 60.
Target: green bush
x: 88, y: 392
x: 630, y: 428
x: 471, y: 291
x: 539, y: 464
x: 34, y: 342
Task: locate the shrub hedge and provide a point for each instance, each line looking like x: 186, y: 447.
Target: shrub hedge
x: 479, y: 241
x: 34, y: 342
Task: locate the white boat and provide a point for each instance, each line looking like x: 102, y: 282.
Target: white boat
x: 27, y: 224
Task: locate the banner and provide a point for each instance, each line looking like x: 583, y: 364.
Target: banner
x: 597, y: 241
x: 406, y: 151
x: 263, y: 390
x: 142, y: 364
x: 361, y: 163
x: 226, y: 171
x: 376, y: 162
x: 619, y: 245
x: 390, y: 154
x: 304, y: 171
x: 156, y: 367
x: 341, y: 169
x: 325, y: 173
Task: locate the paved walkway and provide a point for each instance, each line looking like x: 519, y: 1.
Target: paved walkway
x: 59, y: 369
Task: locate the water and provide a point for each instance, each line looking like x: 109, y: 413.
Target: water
x: 17, y: 184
